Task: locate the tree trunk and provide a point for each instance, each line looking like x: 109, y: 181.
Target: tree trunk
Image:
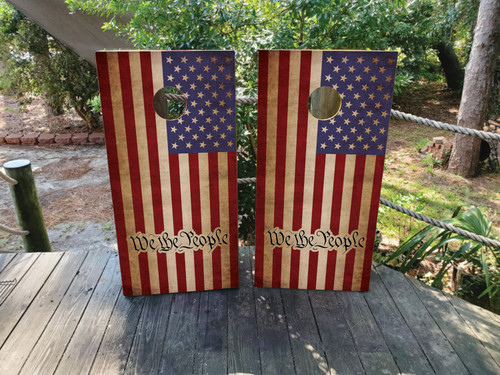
x: 479, y: 72
x: 451, y: 66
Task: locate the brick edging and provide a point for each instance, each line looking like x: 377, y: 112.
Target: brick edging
x: 439, y: 147
x: 96, y: 138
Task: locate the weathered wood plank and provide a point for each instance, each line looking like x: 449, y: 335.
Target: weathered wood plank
x: 211, y: 351
x: 148, y: 341
x: 469, y: 349
x: 483, y: 323
x: 340, y: 350
x: 398, y: 336
x: 5, y: 259
x: 6, y: 285
x: 243, y: 355
x: 198, y: 365
x: 179, y: 347
x: 91, y: 326
x: 274, y: 341
x: 17, y: 349
x: 82, y: 348
x: 50, y: 347
x: 29, y: 283
x: 433, y: 342
x: 307, y: 348
x: 115, y: 347
x: 372, y: 349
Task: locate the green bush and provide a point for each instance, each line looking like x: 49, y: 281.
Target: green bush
x: 34, y: 63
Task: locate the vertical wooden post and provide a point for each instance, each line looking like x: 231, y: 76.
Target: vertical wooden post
x: 29, y: 213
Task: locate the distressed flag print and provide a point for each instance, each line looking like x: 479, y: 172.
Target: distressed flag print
x: 173, y: 181
x: 319, y: 180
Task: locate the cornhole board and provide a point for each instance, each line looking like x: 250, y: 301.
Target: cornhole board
x: 173, y: 181
x: 319, y: 177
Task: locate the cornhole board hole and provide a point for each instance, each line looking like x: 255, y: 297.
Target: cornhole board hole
x: 323, y: 118
x: 172, y: 167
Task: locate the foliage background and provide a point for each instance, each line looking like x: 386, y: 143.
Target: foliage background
x: 412, y: 27
x: 35, y: 64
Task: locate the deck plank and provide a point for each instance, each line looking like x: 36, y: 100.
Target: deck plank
x: 468, y: 347
x: 5, y: 259
x: 114, y: 350
x: 398, y: 336
x: 243, y: 355
x: 340, y: 350
x: 70, y: 312
x: 50, y: 347
x: 482, y: 322
x: 28, y: 286
x: 370, y: 343
x: 179, y: 348
x: 84, y: 344
x: 436, y: 347
x: 307, y: 348
x: 274, y: 341
x: 151, y: 328
x: 36, y: 317
x: 212, y: 342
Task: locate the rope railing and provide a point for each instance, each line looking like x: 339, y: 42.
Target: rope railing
x: 429, y: 220
x: 445, y: 126
x: 17, y: 232
x: 10, y: 180
x: 440, y: 224
x: 394, y: 113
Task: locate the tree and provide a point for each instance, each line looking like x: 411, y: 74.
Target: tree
x: 479, y: 72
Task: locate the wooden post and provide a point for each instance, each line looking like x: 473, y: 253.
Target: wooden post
x: 29, y: 213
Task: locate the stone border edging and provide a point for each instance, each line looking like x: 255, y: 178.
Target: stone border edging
x: 96, y: 138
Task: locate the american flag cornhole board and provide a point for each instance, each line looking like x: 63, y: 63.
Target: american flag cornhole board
x: 173, y: 182
x: 319, y: 181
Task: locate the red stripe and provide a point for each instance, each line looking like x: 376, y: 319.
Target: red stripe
x: 372, y: 221
x: 233, y: 215
x: 175, y: 186
x: 302, y: 117
x: 319, y: 178
x: 261, y: 167
x: 133, y: 159
x: 154, y: 162
x: 114, y: 172
x: 213, y: 173
x: 338, y: 186
x: 194, y: 182
x: 357, y: 192
x: 279, y: 182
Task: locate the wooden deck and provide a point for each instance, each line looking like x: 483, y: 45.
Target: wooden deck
x: 64, y: 313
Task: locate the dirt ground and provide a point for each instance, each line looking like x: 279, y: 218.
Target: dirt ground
x: 73, y: 183
x: 35, y: 117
